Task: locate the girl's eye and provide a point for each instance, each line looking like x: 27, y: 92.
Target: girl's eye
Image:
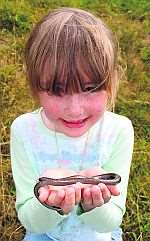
x: 59, y: 91
x: 89, y: 88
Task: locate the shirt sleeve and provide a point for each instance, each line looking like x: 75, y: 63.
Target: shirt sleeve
x: 109, y: 216
x: 33, y: 215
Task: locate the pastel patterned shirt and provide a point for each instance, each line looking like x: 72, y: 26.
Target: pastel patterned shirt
x: 35, y: 148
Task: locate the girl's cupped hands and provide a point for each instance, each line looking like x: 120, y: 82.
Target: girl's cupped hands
x: 89, y: 196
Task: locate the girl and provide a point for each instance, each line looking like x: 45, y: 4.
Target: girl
x: 71, y: 63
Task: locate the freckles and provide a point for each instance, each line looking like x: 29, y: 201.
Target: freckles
x: 98, y: 103
x: 53, y: 109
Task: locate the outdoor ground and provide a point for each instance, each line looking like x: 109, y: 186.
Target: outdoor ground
x: 130, y: 22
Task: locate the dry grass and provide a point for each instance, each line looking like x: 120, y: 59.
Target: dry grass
x: 133, y: 102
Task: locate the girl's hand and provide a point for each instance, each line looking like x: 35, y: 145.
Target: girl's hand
x: 97, y: 195
x: 65, y: 198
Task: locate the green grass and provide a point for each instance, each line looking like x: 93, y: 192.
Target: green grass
x: 130, y: 21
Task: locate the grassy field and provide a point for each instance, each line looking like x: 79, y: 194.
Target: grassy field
x: 130, y: 22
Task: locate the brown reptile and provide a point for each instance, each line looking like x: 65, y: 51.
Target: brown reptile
x: 107, y: 178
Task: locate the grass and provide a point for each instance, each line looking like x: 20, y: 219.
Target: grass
x: 130, y: 21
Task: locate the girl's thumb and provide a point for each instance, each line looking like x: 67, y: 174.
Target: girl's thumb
x: 114, y: 189
x: 43, y: 194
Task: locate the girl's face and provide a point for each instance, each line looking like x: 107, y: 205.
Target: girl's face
x: 73, y: 114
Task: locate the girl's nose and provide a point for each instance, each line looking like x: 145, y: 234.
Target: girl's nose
x: 74, y: 105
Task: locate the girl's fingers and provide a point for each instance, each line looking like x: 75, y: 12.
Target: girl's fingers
x: 114, y: 190
x: 87, y: 198
x: 77, y: 188
x: 97, y: 197
x: 105, y: 192
x: 56, y: 197
x: 51, y: 198
x: 43, y: 193
x: 69, y: 200
x: 68, y: 197
x: 60, y: 195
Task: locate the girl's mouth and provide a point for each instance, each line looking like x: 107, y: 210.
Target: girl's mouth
x: 75, y: 124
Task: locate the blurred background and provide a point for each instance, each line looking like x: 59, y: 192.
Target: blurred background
x: 130, y: 22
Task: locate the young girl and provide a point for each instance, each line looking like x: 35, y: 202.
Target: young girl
x: 71, y: 63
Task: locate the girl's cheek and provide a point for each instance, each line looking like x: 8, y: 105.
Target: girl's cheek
x: 98, y: 104
x: 53, y: 109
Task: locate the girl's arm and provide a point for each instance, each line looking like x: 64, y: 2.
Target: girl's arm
x: 109, y: 216
x: 33, y: 215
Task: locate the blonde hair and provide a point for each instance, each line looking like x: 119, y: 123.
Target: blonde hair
x: 67, y: 45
